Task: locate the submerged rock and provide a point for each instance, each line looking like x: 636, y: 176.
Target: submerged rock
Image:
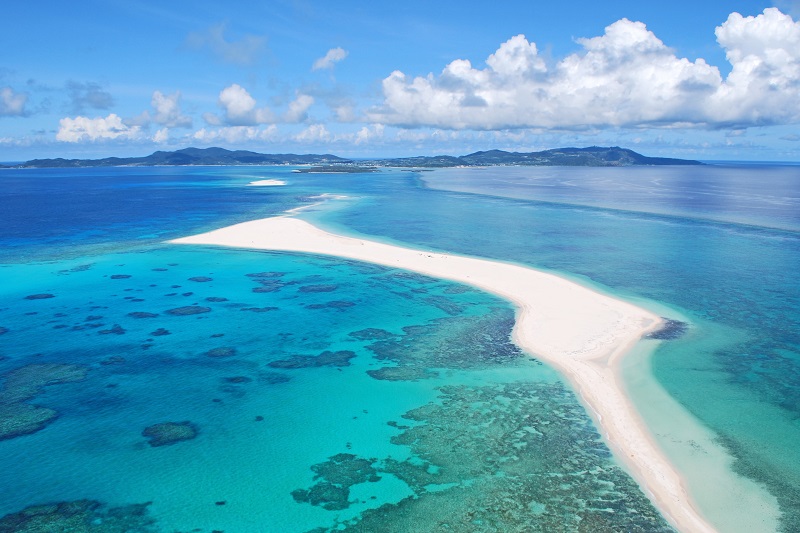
x: 336, y: 304
x: 216, y: 299
x: 120, y: 276
x: 159, y: 332
x: 142, y: 314
x: 116, y: 329
x: 201, y: 279
x: 318, y: 288
x: 225, y: 351
x: 326, y: 358
x: 371, y: 334
x: 188, y: 310
x: 169, y: 433
x: 17, y: 417
x: 79, y: 516
x: 42, y: 296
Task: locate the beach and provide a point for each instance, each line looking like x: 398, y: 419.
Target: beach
x: 580, y: 332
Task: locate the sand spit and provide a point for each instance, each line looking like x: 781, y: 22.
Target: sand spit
x: 580, y: 332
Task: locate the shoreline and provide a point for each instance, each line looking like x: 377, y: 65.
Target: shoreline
x: 580, y: 332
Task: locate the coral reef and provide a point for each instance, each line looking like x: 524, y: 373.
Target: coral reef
x: 17, y: 417
x: 167, y: 433
x: 188, y: 310
x: 326, y: 358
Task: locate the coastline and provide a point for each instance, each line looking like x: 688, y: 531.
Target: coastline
x: 580, y: 332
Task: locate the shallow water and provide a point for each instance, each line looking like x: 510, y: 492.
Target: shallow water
x: 310, y: 370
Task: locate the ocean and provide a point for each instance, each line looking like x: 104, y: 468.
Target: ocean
x: 157, y: 387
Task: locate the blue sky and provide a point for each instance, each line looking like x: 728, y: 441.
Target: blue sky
x: 123, y: 77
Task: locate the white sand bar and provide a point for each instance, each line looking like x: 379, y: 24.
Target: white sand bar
x: 267, y: 183
x: 580, y: 332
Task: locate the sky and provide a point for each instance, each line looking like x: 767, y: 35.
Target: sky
x: 710, y: 80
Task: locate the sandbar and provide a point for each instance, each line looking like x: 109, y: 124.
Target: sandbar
x: 579, y: 331
x: 267, y: 183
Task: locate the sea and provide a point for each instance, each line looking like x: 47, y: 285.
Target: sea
x: 151, y: 387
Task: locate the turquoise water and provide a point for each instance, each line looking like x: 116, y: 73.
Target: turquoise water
x: 343, y: 396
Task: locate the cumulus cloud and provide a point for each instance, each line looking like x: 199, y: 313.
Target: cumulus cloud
x: 245, y: 51
x: 12, y: 103
x: 369, y: 134
x: 626, y: 77
x: 234, y: 134
x: 80, y: 129
x: 298, y: 108
x: 314, y: 133
x: 240, y: 108
x: 333, y: 56
x: 168, y: 110
x: 84, y: 96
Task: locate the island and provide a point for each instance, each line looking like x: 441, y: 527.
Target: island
x: 593, y: 156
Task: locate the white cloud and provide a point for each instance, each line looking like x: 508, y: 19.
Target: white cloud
x: 240, y: 107
x: 626, y: 77
x: 12, y: 103
x: 314, y: 133
x: 161, y: 136
x: 367, y: 134
x: 298, y: 108
x: 235, y: 134
x: 243, y: 52
x: 333, y: 56
x: 168, y: 112
x: 80, y: 129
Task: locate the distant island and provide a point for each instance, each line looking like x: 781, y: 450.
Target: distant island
x: 594, y: 156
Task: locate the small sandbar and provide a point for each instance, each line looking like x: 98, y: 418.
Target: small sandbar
x: 266, y: 183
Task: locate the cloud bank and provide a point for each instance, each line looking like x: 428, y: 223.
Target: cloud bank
x: 625, y: 78
x: 80, y: 129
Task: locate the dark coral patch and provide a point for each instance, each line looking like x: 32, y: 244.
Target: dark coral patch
x: 41, y: 296
x: 273, y: 378
x: 221, y: 352
x: 159, y: 269
x: 113, y: 360
x: 201, y: 279
x: 237, y: 379
x: 263, y: 275
x: 216, y: 299
x: 142, y: 314
x: 159, y: 332
x: 188, y: 310
x: 318, y: 288
x: 402, y: 373
x: 17, y: 417
x: 371, y: 334
x: 326, y: 358
x: 120, y: 276
x: 259, y: 309
x: 341, y: 305
x: 337, y: 475
x: 80, y: 515
x: 169, y: 433
x: 670, y: 330
x: 116, y: 329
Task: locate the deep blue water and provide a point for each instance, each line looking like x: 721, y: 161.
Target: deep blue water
x: 718, y: 244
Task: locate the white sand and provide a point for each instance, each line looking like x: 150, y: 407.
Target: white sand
x: 579, y: 331
x: 267, y: 183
